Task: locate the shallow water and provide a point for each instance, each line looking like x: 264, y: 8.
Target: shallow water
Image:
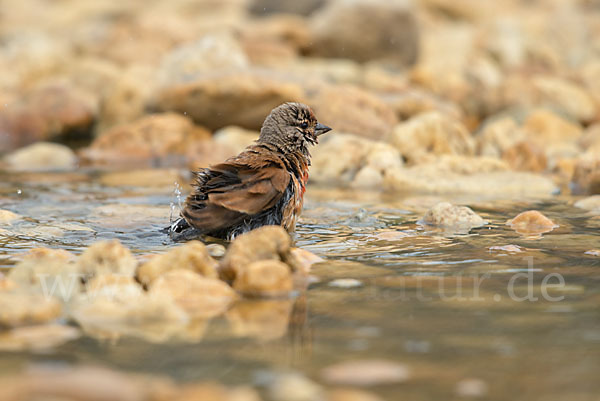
x: 443, y: 304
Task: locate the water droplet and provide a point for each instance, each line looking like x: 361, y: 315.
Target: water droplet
x: 19, y: 192
x: 176, y: 207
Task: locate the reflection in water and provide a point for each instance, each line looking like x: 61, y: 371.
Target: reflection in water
x: 466, y: 308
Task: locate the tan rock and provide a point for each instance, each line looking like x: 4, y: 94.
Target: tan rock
x: 531, y: 222
x: 154, y: 139
x: 411, y: 102
x: 264, y: 278
x: 37, y: 338
x: 235, y: 138
x: 590, y: 140
x: 591, y: 203
x: 42, y: 156
x: 221, y: 99
x: 113, y: 287
x: 84, y: 383
x: 494, y: 184
x: 18, y: 308
x: 350, y: 109
x: 359, y: 162
x: 586, y: 177
x: 198, y: 296
x: 212, y: 52
x: 497, y: 136
x: 566, y: 97
x: 48, y: 271
x: 546, y: 128
x: 106, y: 257
x: 264, y: 243
x: 525, y: 156
x: 388, y: 31
x: 47, y: 112
x: 365, y: 372
x: 124, y: 98
x: 6, y: 216
x: 286, y: 29
x: 142, y: 178
x: 192, y: 256
x: 262, y: 319
x: 109, y: 315
x: 431, y: 133
x: 306, y: 259
x: 457, y: 218
x: 295, y: 387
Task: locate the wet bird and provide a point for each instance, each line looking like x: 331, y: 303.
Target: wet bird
x: 263, y: 185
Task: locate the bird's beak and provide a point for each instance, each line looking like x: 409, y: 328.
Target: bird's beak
x: 321, y: 129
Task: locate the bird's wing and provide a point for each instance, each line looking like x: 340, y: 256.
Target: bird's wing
x: 229, y: 192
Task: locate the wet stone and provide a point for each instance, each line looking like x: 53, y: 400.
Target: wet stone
x: 451, y: 217
x: 531, y: 222
x: 193, y: 256
x: 368, y: 372
x: 198, y: 296
x: 19, y: 308
x: 265, y: 243
x: 106, y: 257
x: 264, y: 278
x: 6, y: 216
x: 42, y: 156
x: 37, y: 338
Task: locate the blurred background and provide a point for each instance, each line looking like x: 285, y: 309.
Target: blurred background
x: 509, y: 85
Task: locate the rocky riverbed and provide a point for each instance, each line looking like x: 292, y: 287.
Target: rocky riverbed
x: 448, y: 248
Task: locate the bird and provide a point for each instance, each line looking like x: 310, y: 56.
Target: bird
x: 263, y: 185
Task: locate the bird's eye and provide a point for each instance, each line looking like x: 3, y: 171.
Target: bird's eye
x: 304, y: 125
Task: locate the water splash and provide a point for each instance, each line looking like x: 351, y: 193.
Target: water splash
x: 176, y: 203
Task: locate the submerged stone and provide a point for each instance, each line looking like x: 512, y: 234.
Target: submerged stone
x: 367, y: 372
x: 264, y: 278
x: 448, y: 216
x: 198, y: 296
x: 107, y: 257
x: 193, y: 256
x: 531, y: 222
x: 264, y: 243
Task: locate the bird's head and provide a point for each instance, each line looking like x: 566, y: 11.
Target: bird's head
x: 292, y: 126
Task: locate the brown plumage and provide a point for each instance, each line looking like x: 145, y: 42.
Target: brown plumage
x: 263, y: 185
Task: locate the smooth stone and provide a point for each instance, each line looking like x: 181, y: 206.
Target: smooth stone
x: 107, y: 257
x: 198, y: 296
x: 193, y: 256
x: 264, y: 319
x: 264, y: 243
x: 365, y: 372
x: 42, y: 156
x: 448, y: 216
x: 531, y: 222
x: 18, y: 308
x: 345, y: 283
x: 7, y: 217
x: 37, y: 338
x: 264, y: 278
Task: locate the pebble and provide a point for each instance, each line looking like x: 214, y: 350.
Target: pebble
x: 7, y: 217
x: 106, y: 257
x: 366, y: 372
x: 264, y: 278
x: 455, y: 218
x: 471, y: 388
x: 37, y: 338
x: 531, y: 222
x: 42, y: 156
x: 193, y: 256
x: 345, y: 283
x: 200, y: 297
